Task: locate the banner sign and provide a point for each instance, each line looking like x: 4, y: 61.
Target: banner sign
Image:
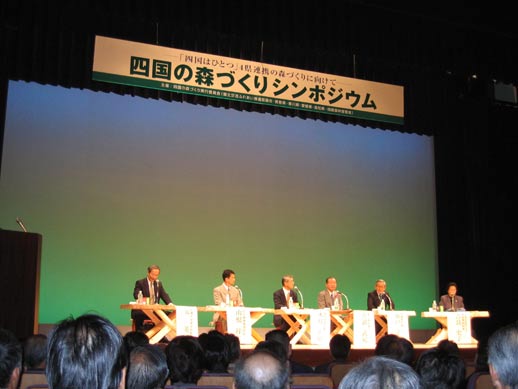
x: 173, y: 70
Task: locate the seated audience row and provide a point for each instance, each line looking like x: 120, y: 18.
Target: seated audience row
x: 89, y: 351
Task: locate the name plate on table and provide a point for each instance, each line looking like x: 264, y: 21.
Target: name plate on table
x: 459, y: 327
x: 186, y: 320
x: 364, y: 329
x: 397, y: 322
x: 320, y: 327
x: 239, y: 323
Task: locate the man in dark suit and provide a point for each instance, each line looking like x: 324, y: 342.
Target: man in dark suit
x: 379, y: 296
x: 285, y: 297
x: 151, y: 288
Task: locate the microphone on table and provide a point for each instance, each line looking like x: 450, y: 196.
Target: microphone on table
x: 301, y: 296
x: 240, y: 292
x: 346, y: 299
x: 157, y: 292
x: 20, y: 223
x: 390, y: 301
x: 452, y: 302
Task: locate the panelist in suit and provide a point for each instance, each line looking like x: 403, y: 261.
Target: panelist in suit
x: 379, y: 296
x: 226, y: 294
x: 151, y: 287
x: 451, y: 301
x: 330, y: 297
x: 285, y: 297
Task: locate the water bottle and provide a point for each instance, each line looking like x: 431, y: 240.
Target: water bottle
x: 139, y: 297
x: 434, y: 306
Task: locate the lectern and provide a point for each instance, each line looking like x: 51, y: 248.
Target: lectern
x: 20, y: 256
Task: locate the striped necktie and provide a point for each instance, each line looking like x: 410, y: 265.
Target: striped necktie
x: 151, y: 293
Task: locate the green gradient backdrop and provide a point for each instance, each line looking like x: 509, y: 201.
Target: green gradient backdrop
x: 115, y: 183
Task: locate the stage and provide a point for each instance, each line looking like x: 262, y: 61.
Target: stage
x: 316, y: 355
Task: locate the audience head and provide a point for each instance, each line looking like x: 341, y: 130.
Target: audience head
x: 185, y: 359
x: 35, y: 351
x: 380, y: 372
x: 261, y: 370
x: 216, y: 352
x: 282, y: 337
x: 395, y: 347
x: 449, y: 346
x: 440, y: 369
x: 234, y: 347
x: 87, y: 352
x: 340, y: 346
x: 133, y: 339
x: 502, y: 353
x: 147, y: 368
x: 10, y: 359
x: 274, y: 347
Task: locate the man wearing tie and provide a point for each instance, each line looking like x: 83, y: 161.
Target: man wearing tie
x: 330, y: 297
x: 226, y: 294
x: 285, y: 297
x: 379, y: 296
x: 150, y: 287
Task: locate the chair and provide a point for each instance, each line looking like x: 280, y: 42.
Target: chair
x: 479, y: 380
x: 305, y: 379
x: 338, y: 370
x: 32, y: 377
x: 221, y: 379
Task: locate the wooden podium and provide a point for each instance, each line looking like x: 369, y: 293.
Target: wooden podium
x: 20, y: 257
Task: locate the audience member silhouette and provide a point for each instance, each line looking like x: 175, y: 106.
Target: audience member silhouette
x: 133, y: 339
x: 87, y: 352
x: 380, y: 372
x: 339, y: 347
x: 282, y: 337
x: 35, y: 352
x: 395, y: 347
x: 185, y: 359
x: 147, y: 368
x: 449, y: 346
x: 10, y: 359
x: 502, y: 356
x: 261, y: 369
x: 441, y: 369
x: 274, y: 347
x: 216, y: 350
x: 234, y: 350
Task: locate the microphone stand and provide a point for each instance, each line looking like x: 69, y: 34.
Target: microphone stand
x: 20, y: 223
x: 301, y: 297
x: 240, y: 292
x: 390, y: 301
x: 346, y: 299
